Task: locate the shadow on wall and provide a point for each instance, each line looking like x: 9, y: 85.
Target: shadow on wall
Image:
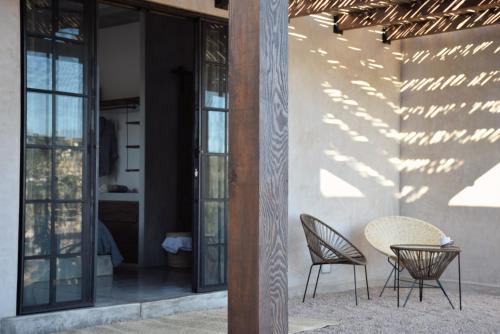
x: 366, y: 142
x: 344, y: 132
x: 450, y: 115
x: 361, y: 115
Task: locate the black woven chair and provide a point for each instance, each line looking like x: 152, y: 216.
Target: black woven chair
x: 327, y: 246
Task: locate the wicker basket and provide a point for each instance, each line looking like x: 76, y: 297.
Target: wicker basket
x: 181, y: 260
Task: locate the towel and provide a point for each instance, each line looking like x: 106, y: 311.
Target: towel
x: 175, y: 244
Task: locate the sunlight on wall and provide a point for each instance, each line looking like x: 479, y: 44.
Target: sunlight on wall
x: 363, y: 169
x: 484, y: 193
x: 427, y: 165
x: 333, y: 186
x: 492, y: 106
x: 449, y: 53
x: 463, y: 136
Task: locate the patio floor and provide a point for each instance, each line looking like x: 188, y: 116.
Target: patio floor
x: 337, y: 313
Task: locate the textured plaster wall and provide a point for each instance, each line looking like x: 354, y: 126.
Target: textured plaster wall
x: 10, y: 129
x: 450, y: 149
x: 343, y: 123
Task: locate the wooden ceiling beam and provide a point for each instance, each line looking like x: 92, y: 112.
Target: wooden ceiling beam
x: 411, y: 12
x: 442, y: 24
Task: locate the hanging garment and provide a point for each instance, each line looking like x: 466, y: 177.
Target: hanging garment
x: 108, y: 146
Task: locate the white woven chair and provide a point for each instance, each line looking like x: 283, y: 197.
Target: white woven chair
x: 383, y: 232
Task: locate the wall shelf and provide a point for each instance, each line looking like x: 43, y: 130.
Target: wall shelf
x: 130, y: 104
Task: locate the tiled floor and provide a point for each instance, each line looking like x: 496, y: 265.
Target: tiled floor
x: 143, y: 285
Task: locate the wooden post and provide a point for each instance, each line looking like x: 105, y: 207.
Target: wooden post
x: 258, y: 172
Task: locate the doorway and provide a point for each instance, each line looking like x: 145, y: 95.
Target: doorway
x: 142, y: 213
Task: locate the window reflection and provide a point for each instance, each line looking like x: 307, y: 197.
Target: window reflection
x: 69, y: 68
x: 216, y: 132
x: 39, y: 63
x: 69, y: 118
x: 39, y: 122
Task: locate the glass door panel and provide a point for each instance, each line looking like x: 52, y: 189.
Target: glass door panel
x: 57, y: 257
x: 212, y: 250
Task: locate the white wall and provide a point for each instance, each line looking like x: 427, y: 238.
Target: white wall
x: 450, y: 152
x: 10, y: 134
x: 343, y: 125
x: 120, y: 77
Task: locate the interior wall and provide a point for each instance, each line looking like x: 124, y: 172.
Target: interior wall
x: 10, y: 141
x: 120, y: 77
x: 450, y: 148
x: 343, y: 123
x: 170, y: 50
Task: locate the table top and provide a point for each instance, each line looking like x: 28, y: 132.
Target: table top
x: 427, y: 248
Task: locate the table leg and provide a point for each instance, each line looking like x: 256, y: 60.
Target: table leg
x: 459, y: 283
x: 397, y: 273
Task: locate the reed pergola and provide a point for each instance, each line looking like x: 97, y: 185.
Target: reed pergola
x: 399, y: 19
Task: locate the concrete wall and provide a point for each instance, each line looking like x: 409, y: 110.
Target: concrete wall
x: 343, y: 124
x: 10, y: 134
x: 450, y: 149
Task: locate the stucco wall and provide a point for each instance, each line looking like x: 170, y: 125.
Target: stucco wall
x: 343, y: 123
x: 450, y: 152
x: 10, y: 129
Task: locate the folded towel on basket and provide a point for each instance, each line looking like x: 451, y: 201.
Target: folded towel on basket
x: 175, y: 244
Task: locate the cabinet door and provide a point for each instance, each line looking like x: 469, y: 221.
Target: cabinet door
x: 56, y: 245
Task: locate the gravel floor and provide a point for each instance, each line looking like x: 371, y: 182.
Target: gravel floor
x: 480, y: 314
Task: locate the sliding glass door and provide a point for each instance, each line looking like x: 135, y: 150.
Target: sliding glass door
x: 213, y: 158
x: 56, y: 263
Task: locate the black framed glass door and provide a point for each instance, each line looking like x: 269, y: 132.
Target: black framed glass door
x: 56, y: 252
x: 211, y: 250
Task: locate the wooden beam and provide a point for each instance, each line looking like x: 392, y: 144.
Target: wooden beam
x: 299, y: 8
x: 411, y: 12
x: 258, y: 171
x: 442, y: 25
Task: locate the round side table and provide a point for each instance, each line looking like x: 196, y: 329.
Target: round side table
x: 426, y: 263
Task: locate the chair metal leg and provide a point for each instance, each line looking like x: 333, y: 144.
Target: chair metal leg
x: 459, y: 283
x: 446, y: 295
x: 355, y: 286
x: 317, y: 279
x: 409, y: 293
x: 307, y: 284
x: 367, y: 287
x: 395, y: 278
x: 387, y: 281
x: 421, y: 289
x: 397, y: 274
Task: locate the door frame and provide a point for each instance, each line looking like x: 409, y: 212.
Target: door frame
x: 199, y: 140
x: 200, y: 18
x: 88, y: 174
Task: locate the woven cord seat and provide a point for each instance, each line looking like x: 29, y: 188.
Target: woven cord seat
x: 327, y: 246
x: 383, y: 232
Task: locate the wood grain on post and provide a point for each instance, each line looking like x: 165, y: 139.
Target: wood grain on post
x: 258, y: 172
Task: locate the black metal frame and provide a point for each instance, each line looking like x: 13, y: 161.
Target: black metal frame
x: 201, y: 19
x: 200, y: 245
x: 88, y: 156
x: 422, y: 285
x: 317, y: 279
